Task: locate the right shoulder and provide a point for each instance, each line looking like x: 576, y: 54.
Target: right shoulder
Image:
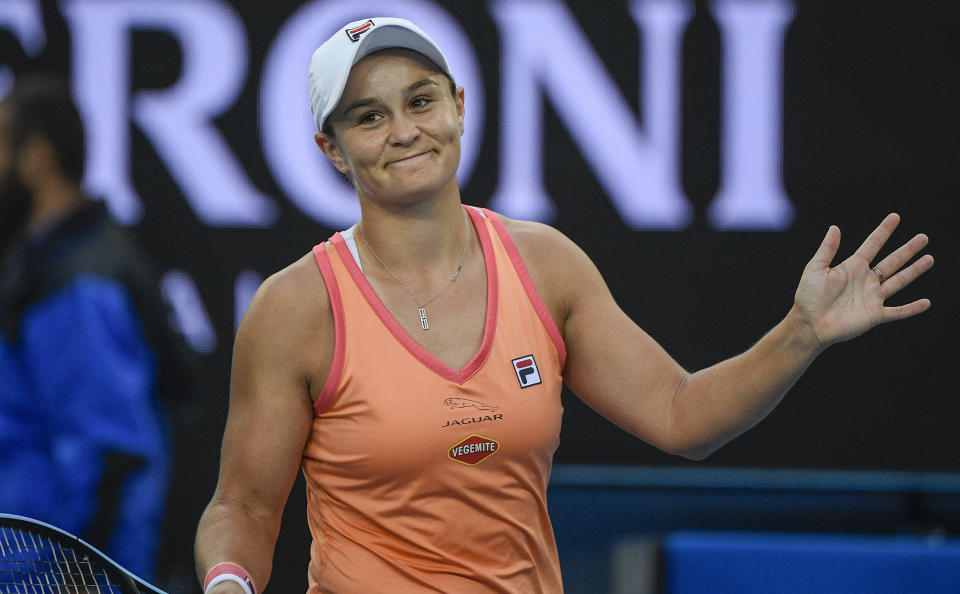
x: 292, y: 292
x: 290, y: 321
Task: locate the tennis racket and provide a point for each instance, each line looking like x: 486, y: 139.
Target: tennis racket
x: 37, y: 558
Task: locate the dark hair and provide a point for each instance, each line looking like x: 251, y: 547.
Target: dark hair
x: 42, y: 104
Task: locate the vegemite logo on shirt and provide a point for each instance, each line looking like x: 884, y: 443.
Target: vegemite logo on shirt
x: 354, y: 33
x: 526, y: 370
x: 473, y: 450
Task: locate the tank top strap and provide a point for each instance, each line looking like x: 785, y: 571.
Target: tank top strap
x: 490, y: 219
x: 336, y: 305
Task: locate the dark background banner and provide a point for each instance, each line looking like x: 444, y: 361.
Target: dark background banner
x: 865, y: 124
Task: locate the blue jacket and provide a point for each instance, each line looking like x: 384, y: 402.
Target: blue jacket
x: 83, y: 436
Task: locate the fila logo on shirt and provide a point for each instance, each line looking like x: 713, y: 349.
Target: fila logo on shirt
x: 526, y: 370
x: 354, y: 33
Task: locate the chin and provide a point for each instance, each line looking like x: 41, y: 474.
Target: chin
x: 411, y: 194
x: 412, y: 188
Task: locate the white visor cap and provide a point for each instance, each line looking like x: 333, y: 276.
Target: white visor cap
x: 331, y: 62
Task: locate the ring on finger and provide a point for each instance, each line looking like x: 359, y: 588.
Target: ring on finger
x: 879, y: 274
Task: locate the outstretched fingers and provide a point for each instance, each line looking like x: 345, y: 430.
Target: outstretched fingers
x: 900, y: 312
x: 828, y: 248
x: 897, y: 259
x: 897, y: 277
x: 874, y: 242
x: 898, y: 280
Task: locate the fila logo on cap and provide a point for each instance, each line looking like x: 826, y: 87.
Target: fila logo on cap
x: 526, y: 370
x: 354, y: 33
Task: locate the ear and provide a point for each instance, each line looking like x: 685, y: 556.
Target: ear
x: 330, y: 148
x: 460, y: 109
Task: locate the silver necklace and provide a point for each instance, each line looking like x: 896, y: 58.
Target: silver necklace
x: 422, y: 307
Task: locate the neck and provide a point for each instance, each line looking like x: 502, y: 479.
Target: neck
x: 416, y: 240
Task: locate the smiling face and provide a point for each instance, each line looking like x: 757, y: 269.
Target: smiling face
x: 396, y: 130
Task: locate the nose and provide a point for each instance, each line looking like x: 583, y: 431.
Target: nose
x: 403, y: 131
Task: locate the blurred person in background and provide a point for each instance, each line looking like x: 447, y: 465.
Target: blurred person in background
x: 88, y: 358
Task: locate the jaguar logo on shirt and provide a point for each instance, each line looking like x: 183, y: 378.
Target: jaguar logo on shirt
x: 473, y: 450
x: 465, y: 402
x: 474, y: 418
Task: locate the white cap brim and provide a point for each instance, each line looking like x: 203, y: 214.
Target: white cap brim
x: 331, y: 62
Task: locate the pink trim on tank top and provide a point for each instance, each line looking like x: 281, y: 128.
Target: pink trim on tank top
x: 340, y: 337
x: 458, y: 376
x: 538, y: 305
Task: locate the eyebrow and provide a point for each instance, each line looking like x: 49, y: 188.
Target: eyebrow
x: 371, y: 101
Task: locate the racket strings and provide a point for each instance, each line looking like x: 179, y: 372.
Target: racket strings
x: 32, y: 564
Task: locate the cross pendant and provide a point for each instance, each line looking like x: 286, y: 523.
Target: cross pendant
x: 423, y: 319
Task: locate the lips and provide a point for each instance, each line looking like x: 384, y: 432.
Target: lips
x: 409, y: 158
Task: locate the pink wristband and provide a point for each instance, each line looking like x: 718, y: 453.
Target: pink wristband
x: 226, y: 571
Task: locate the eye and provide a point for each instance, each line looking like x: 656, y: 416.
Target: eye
x: 420, y: 102
x: 370, y: 117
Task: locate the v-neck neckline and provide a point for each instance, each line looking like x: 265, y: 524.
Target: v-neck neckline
x: 458, y: 376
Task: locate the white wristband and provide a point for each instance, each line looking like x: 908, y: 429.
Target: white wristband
x: 229, y: 577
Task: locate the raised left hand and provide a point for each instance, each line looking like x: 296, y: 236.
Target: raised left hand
x: 845, y: 301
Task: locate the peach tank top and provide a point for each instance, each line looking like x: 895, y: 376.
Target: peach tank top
x: 424, y: 478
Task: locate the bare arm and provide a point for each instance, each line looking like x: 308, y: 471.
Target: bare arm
x: 620, y: 371
x: 831, y: 305
x: 275, y: 352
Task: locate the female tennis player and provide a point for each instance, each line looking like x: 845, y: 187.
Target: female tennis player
x: 412, y: 365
